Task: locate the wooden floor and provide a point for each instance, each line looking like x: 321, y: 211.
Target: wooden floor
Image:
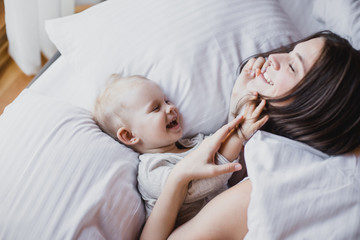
x: 12, y: 82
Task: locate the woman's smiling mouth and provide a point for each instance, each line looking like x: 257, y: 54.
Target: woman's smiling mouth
x: 267, y: 79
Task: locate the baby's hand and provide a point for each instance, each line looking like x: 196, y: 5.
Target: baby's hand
x: 200, y: 163
x: 251, y: 122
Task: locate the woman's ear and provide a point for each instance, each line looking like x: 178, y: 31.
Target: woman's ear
x: 126, y: 136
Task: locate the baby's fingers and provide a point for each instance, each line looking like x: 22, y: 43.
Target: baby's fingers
x: 259, y: 108
x: 258, y: 124
x: 250, y: 108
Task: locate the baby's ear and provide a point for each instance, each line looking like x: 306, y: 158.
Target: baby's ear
x: 126, y: 137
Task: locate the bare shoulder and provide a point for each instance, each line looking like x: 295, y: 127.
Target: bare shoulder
x: 225, y: 217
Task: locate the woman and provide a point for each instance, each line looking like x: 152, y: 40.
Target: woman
x: 312, y: 92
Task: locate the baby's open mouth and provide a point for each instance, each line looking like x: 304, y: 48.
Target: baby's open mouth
x: 172, y: 124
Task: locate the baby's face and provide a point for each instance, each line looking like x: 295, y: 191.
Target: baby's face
x: 152, y: 117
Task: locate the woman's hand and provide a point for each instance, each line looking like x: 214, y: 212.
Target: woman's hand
x: 251, y: 69
x: 200, y: 163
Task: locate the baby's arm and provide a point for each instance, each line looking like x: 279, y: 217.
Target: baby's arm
x: 250, y: 123
x: 198, y: 164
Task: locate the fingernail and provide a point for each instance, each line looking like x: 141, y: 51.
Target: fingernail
x: 238, y: 166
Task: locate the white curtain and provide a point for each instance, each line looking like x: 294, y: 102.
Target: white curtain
x: 25, y: 20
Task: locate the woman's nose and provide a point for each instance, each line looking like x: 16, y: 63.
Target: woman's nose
x: 274, y: 61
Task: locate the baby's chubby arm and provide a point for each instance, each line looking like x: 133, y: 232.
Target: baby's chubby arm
x: 198, y: 164
x: 250, y: 123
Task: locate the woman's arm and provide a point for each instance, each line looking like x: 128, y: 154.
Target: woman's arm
x: 198, y: 164
x: 224, y: 217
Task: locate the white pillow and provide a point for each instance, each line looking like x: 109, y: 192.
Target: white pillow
x: 342, y: 17
x: 192, y: 48
x: 299, y: 192
x: 61, y: 177
x: 303, y: 20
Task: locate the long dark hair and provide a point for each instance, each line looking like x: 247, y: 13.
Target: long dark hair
x: 324, y: 111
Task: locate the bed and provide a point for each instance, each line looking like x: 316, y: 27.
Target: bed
x: 62, y: 178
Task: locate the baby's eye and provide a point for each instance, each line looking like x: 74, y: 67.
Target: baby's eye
x: 167, y: 101
x: 156, y: 108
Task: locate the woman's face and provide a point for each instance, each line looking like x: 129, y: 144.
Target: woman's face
x: 284, y: 70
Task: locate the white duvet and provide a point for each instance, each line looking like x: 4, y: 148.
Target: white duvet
x: 312, y: 195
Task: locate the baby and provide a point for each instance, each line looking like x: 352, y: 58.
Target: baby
x: 135, y: 111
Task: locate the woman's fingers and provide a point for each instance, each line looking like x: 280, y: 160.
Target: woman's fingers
x: 259, y: 63
x: 266, y: 65
x: 254, y: 65
x: 249, y: 65
x: 226, y: 168
x: 220, y: 135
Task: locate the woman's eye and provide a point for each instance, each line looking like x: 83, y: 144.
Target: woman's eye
x: 167, y: 101
x: 292, y: 68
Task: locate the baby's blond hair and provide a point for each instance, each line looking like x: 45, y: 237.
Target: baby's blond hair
x: 110, y: 107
